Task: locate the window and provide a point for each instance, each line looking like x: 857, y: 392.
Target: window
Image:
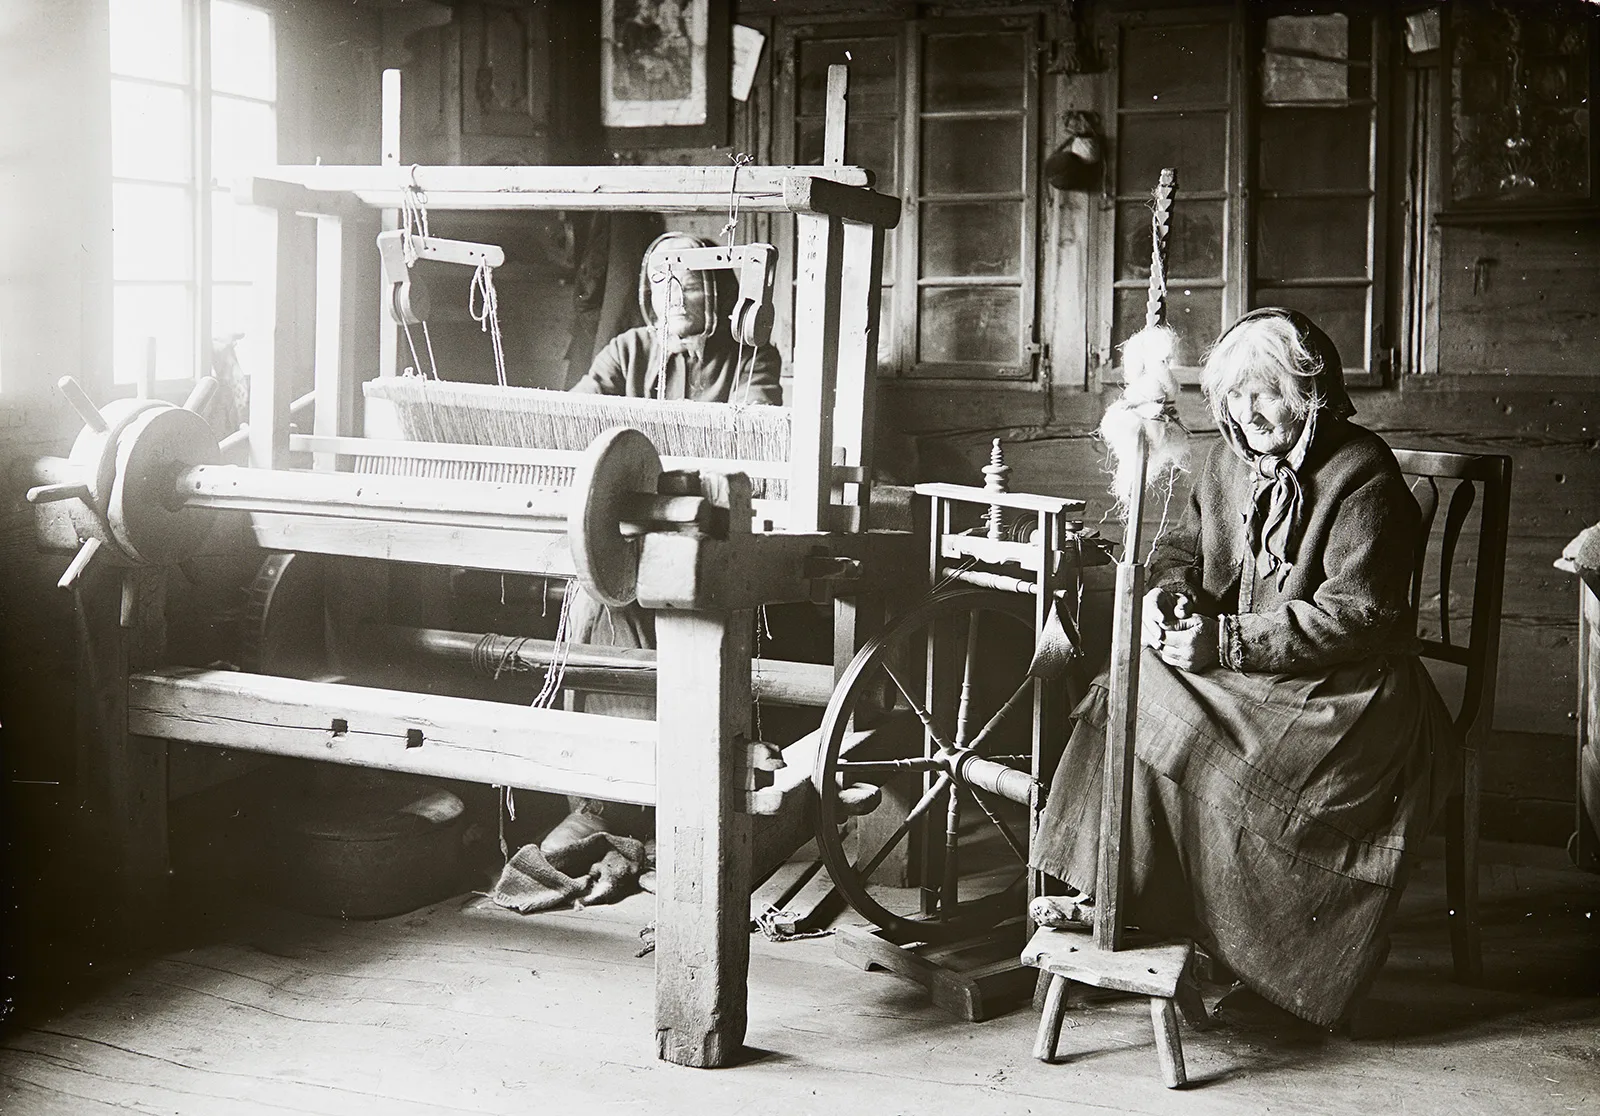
x: 193, y: 89
x: 944, y: 113
x: 1280, y: 175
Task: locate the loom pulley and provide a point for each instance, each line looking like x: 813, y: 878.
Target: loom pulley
x: 408, y: 301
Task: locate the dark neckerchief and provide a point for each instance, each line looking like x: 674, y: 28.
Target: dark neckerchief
x: 1275, y: 476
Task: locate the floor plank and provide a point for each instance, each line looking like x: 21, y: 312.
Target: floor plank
x: 460, y: 1009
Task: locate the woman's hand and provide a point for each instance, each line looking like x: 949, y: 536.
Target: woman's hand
x: 1191, y: 645
x: 1163, y: 610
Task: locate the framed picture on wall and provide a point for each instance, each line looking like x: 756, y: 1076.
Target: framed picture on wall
x: 664, y: 72
x: 1519, y: 137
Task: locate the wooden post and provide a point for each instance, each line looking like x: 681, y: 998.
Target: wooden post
x: 833, y: 119
x: 856, y: 393
x: 389, y: 219
x: 703, y: 836
x: 329, y: 415
x: 122, y: 627
x: 270, y: 387
x: 1117, y: 791
x: 819, y: 279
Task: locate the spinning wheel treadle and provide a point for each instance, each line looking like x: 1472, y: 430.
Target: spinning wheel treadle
x: 925, y: 832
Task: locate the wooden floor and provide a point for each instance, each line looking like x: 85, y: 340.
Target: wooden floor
x: 460, y: 1009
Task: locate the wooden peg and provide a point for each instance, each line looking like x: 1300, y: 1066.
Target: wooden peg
x: 80, y: 562
x: 87, y: 411
x: 52, y: 493
x: 201, y: 394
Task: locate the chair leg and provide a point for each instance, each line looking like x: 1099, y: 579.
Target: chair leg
x: 1169, y: 1043
x: 1461, y: 872
x: 1055, y: 1006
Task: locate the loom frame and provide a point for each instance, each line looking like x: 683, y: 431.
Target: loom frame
x: 703, y: 588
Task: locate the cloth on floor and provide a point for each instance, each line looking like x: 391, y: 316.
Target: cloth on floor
x: 597, y: 868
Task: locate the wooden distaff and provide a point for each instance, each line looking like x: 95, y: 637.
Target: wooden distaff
x: 1123, y: 678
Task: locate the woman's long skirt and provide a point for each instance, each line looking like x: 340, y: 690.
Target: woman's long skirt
x: 1272, y: 815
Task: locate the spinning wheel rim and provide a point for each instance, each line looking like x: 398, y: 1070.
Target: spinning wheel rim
x: 852, y: 883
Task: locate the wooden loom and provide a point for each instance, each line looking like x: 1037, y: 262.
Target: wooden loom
x: 144, y: 488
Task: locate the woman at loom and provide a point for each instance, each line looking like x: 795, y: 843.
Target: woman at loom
x: 686, y: 350
x: 1290, y: 748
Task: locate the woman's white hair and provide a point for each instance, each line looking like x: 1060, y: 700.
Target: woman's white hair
x: 1268, y: 351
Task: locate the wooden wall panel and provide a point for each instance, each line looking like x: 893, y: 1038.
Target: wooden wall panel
x: 1520, y: 299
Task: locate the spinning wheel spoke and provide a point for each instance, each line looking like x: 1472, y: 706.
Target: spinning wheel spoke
x: 1022, y: 691
x: 940, y: 785
x: 951, y: 662
x: 915, y: 763
x: 999, y: 823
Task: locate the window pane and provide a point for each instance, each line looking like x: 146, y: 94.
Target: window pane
x: 244, y: 138
x: 972, y: 156
x: 1195, y: 143
x: 1195, y: 314
x: 1181, y: 63
x: 970, y: 325
x: 1306, y: 58
x: 243, y: 239
x: 1307, y: 239
x: 1341, y: 312
x: 973, y: 71
x: 151, y: 132
x: 1316, y: 148
x: 971, y: 238
x: 886, y: 356
x: 873, y: 63
x: 1194, y: 240
x: 867, y: 143
x: 152, y: 325
x: 241, y: 50
x: 151, y: 232
x: 149, y: 39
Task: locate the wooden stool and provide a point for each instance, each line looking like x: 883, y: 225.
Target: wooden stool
x: 1160, y: 972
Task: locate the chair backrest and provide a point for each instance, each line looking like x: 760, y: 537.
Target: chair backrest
x: 1463, y: 475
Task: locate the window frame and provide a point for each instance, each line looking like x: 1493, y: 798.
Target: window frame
x: 1239, y: 286
x: 903, y: 284
x: 200, y: 189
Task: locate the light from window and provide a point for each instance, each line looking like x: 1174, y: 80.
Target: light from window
x: 190, y: 269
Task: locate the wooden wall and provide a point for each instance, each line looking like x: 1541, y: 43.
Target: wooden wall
x: 1516, y: 345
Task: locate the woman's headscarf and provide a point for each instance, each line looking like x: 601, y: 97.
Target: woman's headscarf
x: 1276, y: 472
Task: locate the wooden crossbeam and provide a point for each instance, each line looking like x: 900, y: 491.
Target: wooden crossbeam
x: 425, y: 734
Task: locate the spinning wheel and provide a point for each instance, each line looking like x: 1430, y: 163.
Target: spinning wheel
x: 928, y: 766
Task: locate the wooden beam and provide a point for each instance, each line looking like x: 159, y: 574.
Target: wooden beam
x: 446, y: 737
x: 513, y: 507
x: 703, y: 836
x: 744, y: 571
x: 654, y: 188
x: 490, y: 548
x: 825, y: 197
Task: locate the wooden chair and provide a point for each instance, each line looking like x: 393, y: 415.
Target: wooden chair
x: 1461, y: 475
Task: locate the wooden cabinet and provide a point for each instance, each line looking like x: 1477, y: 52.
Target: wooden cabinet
x: 504, y: 82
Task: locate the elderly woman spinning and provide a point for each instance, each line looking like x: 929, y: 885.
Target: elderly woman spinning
x: 1290, y: 746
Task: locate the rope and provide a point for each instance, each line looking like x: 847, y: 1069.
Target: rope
x: 739, y: 160
x: 729, y: 232
x: 484, y: 306
x: 558, y: 658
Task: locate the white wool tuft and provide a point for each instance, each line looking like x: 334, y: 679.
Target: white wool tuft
x: 1145, y: 409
